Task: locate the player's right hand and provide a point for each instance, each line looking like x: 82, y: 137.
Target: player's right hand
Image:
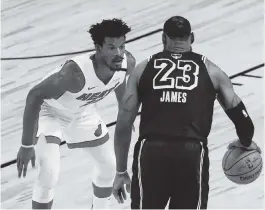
x: 237, y: 143
x: 23, y: 157
x: 118, y: 186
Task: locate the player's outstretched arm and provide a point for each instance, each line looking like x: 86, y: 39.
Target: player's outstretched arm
x: 51, y: 88
x: 232, y: 104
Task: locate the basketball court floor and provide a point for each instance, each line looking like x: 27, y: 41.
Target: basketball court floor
x: 228, y: 32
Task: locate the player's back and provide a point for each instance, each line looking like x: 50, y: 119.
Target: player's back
x: 177, y: 96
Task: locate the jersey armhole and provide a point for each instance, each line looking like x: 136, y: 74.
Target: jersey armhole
x: 149, y: 58
x: 204, y: 59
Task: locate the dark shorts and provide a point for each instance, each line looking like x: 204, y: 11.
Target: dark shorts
x: 170, y: 169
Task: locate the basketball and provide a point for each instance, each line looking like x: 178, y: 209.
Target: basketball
x: 242, y: 166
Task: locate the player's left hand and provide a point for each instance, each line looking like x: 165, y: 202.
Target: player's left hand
x: 237, y: 143
x: 118, y: 186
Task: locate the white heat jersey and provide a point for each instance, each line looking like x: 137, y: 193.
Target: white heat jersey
x: 76, y: 112
x: 94, y: 89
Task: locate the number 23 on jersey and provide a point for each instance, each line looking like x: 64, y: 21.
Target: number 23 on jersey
x: 188, y: 79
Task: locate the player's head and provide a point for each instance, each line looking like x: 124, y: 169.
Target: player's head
x: 176, y: 32
x: 109, y: 39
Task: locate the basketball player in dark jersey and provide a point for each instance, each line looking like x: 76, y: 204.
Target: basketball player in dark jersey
x: 177, y: 89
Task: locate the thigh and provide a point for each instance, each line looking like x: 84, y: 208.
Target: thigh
x: 102, y: 154
x: 48, y: 139
x: 48, y: 160
x: 150, y: 181
x: 190, y: 189
x: 51, y: 128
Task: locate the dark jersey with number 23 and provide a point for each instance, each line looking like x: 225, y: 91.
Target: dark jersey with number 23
x: 177, y: 96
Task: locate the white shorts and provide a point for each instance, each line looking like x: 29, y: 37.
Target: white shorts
x: 70, y: 127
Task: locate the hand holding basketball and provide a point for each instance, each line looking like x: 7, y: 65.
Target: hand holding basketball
x: 242, y: 165
x: 238, y: 144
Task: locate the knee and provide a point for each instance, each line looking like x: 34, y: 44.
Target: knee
x: 48, y: 173
x: 48, y: 158
x: 43, y: 191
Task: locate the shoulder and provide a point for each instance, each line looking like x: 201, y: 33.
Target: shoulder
x: 131, y: 61
x: 212, y: 68
x: 130, y: 57
x: 216, y: 74
x: 64, y: 76
x: 70, y: 69
x: 139, y: 69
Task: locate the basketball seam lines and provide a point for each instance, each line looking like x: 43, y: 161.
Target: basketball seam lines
x: 227, y: 157
x: 246, y: 172
x: 239, y: 159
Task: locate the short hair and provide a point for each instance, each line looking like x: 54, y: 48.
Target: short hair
x: 108, y: 28
x: 177, y: 27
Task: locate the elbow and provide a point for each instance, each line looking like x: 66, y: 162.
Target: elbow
x: 34, y: 99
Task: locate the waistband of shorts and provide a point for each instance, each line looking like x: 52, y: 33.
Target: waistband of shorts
x: 168, y: 138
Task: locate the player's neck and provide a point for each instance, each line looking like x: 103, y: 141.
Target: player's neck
x: 102, y: 71
x: 100, y: 66
x: 178, y: 48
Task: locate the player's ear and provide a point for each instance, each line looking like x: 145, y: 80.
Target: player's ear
x: 192, y: 38
x: 164, y: 38
x: 97, y: 47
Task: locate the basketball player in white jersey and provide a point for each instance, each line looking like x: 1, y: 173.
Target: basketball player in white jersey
x: 63, y: 107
